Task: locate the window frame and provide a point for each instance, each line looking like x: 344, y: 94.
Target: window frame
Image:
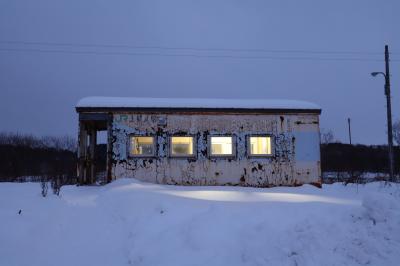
x: 130, y: 154
x: 194, y: 155
x: 248, y: 148
x: 223, y: 156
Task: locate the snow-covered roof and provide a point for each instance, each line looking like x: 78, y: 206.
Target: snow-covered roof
x: 196, y: 103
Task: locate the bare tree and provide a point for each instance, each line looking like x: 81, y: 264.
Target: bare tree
x: 59, y: 143
x: 17, y: 139
x: 396, y: 131
x: 28, y: 140
x: 327, y: 136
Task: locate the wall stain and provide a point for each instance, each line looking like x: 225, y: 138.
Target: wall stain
x: 280, y: 169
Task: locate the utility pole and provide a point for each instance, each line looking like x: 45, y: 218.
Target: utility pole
x: 389, y: 114
x: 348, y: 121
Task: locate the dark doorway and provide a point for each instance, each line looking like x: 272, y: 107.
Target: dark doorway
x: 94, y: 148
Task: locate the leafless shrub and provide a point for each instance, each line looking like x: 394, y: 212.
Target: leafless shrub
x: 327, y: 136
x: 355, y: 177
x: 44, y: 186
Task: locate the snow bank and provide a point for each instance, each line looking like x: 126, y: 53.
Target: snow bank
x: 133, y: 223
x: 106, y: 102
x: 381, y: 207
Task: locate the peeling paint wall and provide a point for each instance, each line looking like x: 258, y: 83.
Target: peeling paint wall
x: 296, y: 157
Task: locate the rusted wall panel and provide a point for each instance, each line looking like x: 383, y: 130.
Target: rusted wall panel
x: 296, y: 146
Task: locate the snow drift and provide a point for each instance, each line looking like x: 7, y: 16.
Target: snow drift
x: 133, y: 223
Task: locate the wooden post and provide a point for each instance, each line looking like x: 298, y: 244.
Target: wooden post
x: 92, y: 151
x: 109, y: 148
x: 82, y: 150
x: 349, y: 123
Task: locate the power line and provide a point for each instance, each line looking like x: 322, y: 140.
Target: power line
x: 252, y: 50
x: 191, y: 55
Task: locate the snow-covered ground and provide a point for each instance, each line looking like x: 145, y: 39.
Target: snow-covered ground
x: 133, y: 223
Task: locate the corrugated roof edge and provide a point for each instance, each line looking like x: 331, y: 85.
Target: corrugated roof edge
x: 91, y: 103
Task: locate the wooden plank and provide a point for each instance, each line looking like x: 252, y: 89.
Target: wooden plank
x: 109, y: 148
x: 82, y: 149
x: 92, y: 156
x: 93, y: 117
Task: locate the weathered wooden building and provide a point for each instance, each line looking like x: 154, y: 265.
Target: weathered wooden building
x: 202, y: 141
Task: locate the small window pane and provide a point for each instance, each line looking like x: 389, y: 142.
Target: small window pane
x: 142, y: 146
x: 260, y: 145
x: 221, y: 146
x: 181, y: 146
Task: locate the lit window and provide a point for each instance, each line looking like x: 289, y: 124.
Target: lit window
x: 182, y: 146
x: 260, y: 146
x: 142, y: 146
x: 221, y: 146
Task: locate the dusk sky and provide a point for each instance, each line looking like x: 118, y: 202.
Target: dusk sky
x: 54, y: 52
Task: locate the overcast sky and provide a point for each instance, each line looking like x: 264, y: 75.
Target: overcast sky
x: 40, y: 84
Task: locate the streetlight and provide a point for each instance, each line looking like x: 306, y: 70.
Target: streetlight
x: 374, y: 74
x: 389, y: 111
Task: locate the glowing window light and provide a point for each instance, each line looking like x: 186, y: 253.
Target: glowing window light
x: 142, y: 146
x: 260, y: 145
x: 221, y: 146
x: 182, y: 146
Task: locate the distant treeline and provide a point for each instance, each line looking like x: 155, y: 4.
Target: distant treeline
x: 338, y: 157
x: 30, y: 141
x: 18, y: 161
x: 26, y: 155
